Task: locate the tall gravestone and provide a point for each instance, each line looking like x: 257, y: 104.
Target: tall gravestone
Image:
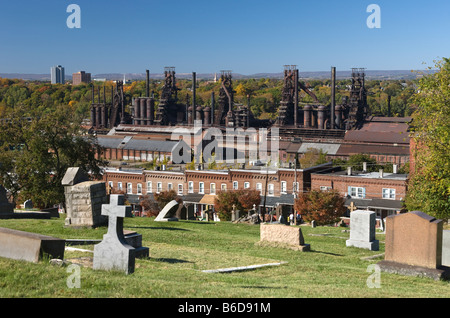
x: 414, y: 246
x: 362, y: 230
x: 84, y: 199
x: 113, y: 252
x: 5, y: 206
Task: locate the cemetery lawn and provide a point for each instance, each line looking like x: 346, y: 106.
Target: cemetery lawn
x: 179, y: 251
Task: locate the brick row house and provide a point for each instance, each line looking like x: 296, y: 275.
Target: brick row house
x: 199, y: 187
x: 381, y: 192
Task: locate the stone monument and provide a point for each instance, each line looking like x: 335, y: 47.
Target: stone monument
x: 84, y: 199
x: 169, y: 212
x: 285, y: 235
x: 5, y: 206
x: 362, y: 230
x: 113, y: 252
x: 414, y: 246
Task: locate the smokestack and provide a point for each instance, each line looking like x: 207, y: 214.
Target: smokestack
x: 147, y: 83
x: 389, y: 105
x: 381, y: 173
x: 364, y: 166
x: 395, y: 169
x: 333, y: 96
x: 296, y: 98
x: 212, y: 108
x: 194, y: 82
x: 349, y: 171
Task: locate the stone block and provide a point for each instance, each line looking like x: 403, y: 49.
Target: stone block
x: 29, y: 247
x: 283, y: 234
x: 446, y: 248
x: 73, y: 176
x: 414, y: 246
x: 362, y: 230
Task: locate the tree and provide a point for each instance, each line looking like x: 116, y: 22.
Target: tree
x: 165, y: 197
x: 243, y: 200
x: 313, y: 157
x: 37, y: 147
x: 429, y: 185
x: 324, y: 207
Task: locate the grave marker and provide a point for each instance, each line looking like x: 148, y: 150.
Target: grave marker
x: 362, y: 230
x: 113, y: 253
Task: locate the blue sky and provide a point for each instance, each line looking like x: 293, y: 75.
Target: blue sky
x: 205, y: 36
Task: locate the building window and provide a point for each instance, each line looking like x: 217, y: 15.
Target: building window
x: 191, y: 186
x: 259, y: 187
x: 169, y: 186
x: 357, y: 192
x: 110, y: 184
x: 223, y: 187
x: 271, y: 189
x: 295, y: 186
x: 235, y: 185
x: 324, y: 188
x: 201, y: 187
x: 119, y: 186
x: 139, y: 188
x: 149, y: 187
x: 129, y: 188
x: 158, y: 187
x: 283, y: 187
x: 180, y: 188
x: 389, y: 194
x: 212, y: 188
x: 246, y: 185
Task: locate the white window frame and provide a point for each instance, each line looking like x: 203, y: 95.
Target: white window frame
x: 169, y: 186
x: 158, y: 187
x: 235, y: 185
x: 191, y: 187
x: 139, y: 188
x: 271, y: 189
x: 388, y: 193
x: 201, y: 187
x: 119, y: 186
x: 180, y: 188
x: 246, y: 185
x: 357, y: 192
x: 259, y: 187
x: 149, y: 187
x: 283, y: 187
x: 212, y: 188
x: 223, y: 187
x: 129, y: 188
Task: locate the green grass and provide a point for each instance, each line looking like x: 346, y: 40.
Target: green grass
x: 180, y: 250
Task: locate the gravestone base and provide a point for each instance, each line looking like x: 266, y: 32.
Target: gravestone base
x: 373, y: 245
x: 441, y: 273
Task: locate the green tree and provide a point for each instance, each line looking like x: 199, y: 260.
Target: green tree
x: 324, y: 207
x: 36, y: 148
x: 429, y: 185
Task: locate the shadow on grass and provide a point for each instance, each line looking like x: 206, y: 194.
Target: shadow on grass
x: 170, y: 260
x: 157, y: 228
x: 327, y: 253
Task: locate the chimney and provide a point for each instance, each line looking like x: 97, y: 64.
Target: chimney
x: 381, y: 173
x: 147, y: 84
x: 395, y: 168
x: 349, y: 171
x: 194, y: 86
x: 333, y: 97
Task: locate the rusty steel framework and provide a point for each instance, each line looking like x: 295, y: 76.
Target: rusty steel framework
x: 167, y: 112
x: 108, y: 115
x: 355, y: 107
x: 288, y: 110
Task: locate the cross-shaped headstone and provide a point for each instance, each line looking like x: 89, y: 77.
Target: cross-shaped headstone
x: 113, y: 253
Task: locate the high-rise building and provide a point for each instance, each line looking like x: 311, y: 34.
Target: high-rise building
x: 81, y: 77
x: 57, y: 74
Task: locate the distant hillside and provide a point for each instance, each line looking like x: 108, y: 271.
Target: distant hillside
x: 376, y: 74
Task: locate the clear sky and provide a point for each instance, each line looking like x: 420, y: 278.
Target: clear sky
x: 206, y: 36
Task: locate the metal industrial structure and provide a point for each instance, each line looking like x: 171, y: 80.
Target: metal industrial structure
x: 295, y: 119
